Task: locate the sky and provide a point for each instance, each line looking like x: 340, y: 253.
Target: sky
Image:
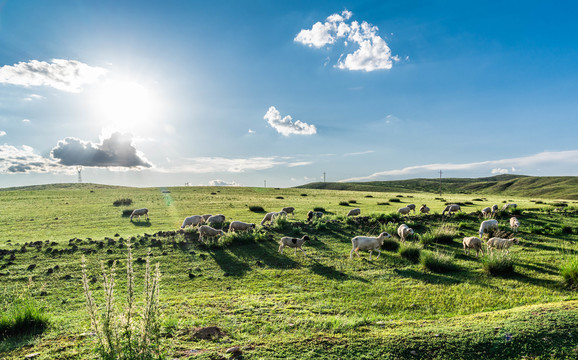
x: 284, y: 93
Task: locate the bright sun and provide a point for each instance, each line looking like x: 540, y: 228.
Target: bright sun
x: 124, y: 106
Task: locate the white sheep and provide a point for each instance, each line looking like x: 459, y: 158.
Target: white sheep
x: 473, y: 242
x: 314, y: 214
x: 139, y: 213
x: 216, y: 219
x: 354, y: 212
x: 412, y: 207
x: 509, y: 205
x: 494, y: 208
x: 487, y: 212
x: 293, y: 243
x: 404, y: 232
x: 192, y: 221
x: 487, y: 226
x: 240, y: 226
x: 289, y: 210
x: 368, y: 243
x: 206, y: 230
x: 271, y: 216
x: 500, y: 244
x: 424, y: 209
x: 404, y: 210
x: 514, y: 224
x: 451, y: 209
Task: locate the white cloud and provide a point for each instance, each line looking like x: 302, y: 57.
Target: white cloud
x: 26, y: 121
x: 286, y: 126
x: 219, y: 182
x: 204, y: 165
x: 359, y: 153
x: 65, y: 75
x: 32, y: 97
x: 2, y: 133
x: 14, y: 160
x: 500, y: 171
x: 566, y: 159
x: 299, y: 163
x: 251, y: 131
x: 373, y: 52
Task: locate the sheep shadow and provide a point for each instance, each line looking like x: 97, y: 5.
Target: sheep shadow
x: 141, y: 224
x: 330, y: 273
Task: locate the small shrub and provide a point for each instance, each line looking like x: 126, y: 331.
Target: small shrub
x: 279, y: 197
x: 440, y: 199
x: 566, y: 229
x: 390, y: 244
x: 368, y: 196
x: 516, y: 211
x: 386, y: 218
x: 398, y: 196
x: 280, y: 223
x: 394, y: 200
x: 122, y: 202
x: 477, y: 199
x: 444, y: 234
x: 256, y: 208
x: 319, y: 224
x: 353, y: 201
x: 538, y: 201
x: 569, y: 272
x: 319, y: 209
x: 127, y: 212
x: 410, y: 252
x: 560, y: 204
x: 382, y: 203
x: 498, y: 265
x: 438, y: 262
x: 343, y: 203
x: 303, y: 194
x: 236, y: 238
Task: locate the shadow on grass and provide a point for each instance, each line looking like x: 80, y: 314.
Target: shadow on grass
x: 428, y: 278
x: 329, y: 272
x: 141, y: 223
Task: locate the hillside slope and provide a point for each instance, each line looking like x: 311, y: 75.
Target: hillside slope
x: 553, y: 187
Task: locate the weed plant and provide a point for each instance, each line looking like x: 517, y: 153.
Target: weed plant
x: 569, y: 272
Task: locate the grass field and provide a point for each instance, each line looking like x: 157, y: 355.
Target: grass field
x: 286, y: 306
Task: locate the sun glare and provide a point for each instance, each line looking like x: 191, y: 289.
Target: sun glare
x: 125, y: 106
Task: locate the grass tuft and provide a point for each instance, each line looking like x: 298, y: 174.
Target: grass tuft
x: 122, y: 202
x: 390, y: 244
x: 498, y: 265
x: 569, y: 272
x: 23, y: 316
x: 410, y: 252
x: 343, y: 203
x: 438, y: 262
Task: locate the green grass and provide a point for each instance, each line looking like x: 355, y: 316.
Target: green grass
x: 569, y: 272
x: 438, y: 261
x: 22, y: 316
x: 498, y: 264
x: 284, y: 305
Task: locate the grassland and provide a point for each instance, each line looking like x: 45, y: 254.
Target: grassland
x: 286, y: 306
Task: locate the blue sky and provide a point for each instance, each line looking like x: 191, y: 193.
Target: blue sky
x: 163, y: 93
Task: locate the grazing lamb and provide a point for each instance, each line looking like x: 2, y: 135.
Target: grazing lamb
x: 139, y: 213
x: 206, y: 230
x: 354, y: 212
x: 514, y: 224
x: 473, y: 242
x: 424, y: 209
x: 404, y: 210
x: 404, y: 232
x: 487, y: 212
x: 451, y: 209
x: 206, y: 216
x: 293, y: 243
x: 289, y: 210
x: 487, y: 226
x: 314, y: 214
x: 368, y: 243
x: 271, y: 216
x: 240, y: 226
x: 509, y: 205
x: 192, y: 221
x: 494, y: 208
x: 216, y: 219
x: 500, y: 244
x: 412, y: 207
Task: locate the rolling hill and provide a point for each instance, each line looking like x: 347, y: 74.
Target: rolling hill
x: 552, y: 187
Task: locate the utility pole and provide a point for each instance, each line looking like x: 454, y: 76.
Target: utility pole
x: 440, y: 183
x: 264, y: 183
x: 324, y: 176
x: 79, y: 170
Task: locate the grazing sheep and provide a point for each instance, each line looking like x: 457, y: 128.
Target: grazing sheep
x: 354, y: 212
x: 451, y: 209
x: 473, y: 242
x: 404, y: 210
x: 424, y: 209
x: 494, y: 208
x: 293, y: 243
x: 192, y: 221
x: 240, y: 226
x: 206, y: 230
x: 216, y: 219
x: 487, y: 226
x: 139, y: 213
x: 314, y: 214
x: 271, y: 216
x: 412, y: 207
x: 368, y: 243
x: 500, y: 244
x: 514, y: 224
x: 509, y: 205
x: 289, y: 210
x: 206, y: 216
x: 404, y: 232
x: 487, y: 212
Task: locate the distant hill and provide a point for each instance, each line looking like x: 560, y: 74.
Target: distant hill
x: 553, y: 187
x: 63, y: 186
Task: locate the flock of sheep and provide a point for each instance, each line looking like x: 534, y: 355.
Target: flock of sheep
x: 364, y: 243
